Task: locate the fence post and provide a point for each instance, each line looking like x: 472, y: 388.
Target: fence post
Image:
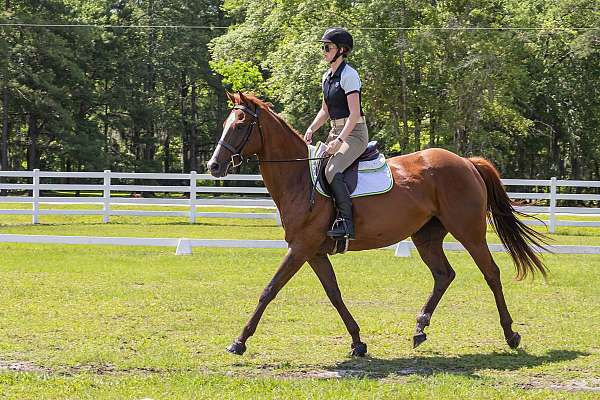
x: 193, y: 196
x: 552, y: 204
x: 402, y: 249
x: 36, y: 196
x: 106, y: 206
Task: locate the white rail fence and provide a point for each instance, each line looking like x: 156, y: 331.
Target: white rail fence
x: 184, y: 246
x: 107, y: 183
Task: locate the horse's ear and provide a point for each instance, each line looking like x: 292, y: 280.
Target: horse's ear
x: 230, y: 97
x: 242, y: 97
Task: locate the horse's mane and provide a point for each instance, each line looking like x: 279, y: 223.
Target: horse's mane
x: 251, y: 97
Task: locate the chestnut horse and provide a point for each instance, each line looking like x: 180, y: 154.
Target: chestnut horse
x: 434, y: 192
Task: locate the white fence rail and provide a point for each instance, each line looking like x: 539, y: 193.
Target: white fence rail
x: 184, y: 246
x: 106, y: 186
x: 108, y: 189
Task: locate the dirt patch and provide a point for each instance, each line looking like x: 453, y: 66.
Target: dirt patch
x: 97, y: 369
x: 579, y: 385
x: 22, y: 366
x: 354, y: 373
x: 323, y: 374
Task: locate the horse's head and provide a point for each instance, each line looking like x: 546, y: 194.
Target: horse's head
x: 242, y: 136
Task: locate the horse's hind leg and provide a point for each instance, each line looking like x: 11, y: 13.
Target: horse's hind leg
x: 428, y: 241
x: 324, y: 270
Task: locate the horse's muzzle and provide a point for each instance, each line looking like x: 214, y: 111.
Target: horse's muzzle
x: 217, y: 169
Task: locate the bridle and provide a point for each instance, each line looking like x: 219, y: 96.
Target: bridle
x: 237, y: 159
x: 236, y: 156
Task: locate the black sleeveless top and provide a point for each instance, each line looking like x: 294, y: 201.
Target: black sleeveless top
x: 337, y: 87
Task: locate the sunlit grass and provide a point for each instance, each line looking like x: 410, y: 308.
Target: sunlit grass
x: 129, y: 322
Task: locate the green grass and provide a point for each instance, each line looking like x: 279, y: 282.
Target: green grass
x: 130, y: 323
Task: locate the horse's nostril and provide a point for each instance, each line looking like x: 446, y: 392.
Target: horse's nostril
x: 213, y: 166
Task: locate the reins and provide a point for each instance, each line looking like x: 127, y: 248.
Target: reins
x: 290, y: 160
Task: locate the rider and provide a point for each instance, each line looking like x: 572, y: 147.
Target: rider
x: 349, y: 136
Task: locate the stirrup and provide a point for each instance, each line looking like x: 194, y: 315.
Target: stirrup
x: 339, y: 230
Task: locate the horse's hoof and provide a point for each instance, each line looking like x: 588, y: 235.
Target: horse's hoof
x: 237, y: 348
x: 514, y: 340
x: 358, y: 349
x: 418, y: 339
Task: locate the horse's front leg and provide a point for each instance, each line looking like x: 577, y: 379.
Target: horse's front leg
x: 324, y: 270
x: 291, y: 263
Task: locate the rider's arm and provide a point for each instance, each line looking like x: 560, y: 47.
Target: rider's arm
x: 320, y: 119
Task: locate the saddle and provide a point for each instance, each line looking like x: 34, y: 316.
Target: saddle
x: 351, y: 173
x: 371, y: 160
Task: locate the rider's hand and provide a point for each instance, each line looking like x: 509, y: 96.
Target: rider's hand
x: 308, y: 135
x: 333, y: 146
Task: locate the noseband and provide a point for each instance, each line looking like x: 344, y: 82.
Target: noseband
x: 236, y: 157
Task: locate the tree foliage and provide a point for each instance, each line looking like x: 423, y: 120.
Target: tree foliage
x: 514, y: 81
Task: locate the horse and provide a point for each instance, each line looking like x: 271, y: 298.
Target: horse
x: 434, y: 192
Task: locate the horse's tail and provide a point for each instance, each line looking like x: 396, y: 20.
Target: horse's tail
x: 517, y: 237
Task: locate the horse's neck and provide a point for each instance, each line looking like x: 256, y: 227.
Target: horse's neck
x: 287, y: 182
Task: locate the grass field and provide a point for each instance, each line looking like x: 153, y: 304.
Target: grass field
x: 130, y: 323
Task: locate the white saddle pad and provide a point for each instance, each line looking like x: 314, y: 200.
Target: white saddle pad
x: 374, y: 177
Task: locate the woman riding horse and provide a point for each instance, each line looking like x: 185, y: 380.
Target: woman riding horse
x: 435, y: 192
x: 349, y: 136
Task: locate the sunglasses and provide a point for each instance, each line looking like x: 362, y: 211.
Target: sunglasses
x: 326, y: 47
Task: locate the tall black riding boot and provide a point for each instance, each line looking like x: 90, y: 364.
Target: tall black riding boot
x: 343, y: 227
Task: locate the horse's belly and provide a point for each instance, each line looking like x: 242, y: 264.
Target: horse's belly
x: 385, y: 229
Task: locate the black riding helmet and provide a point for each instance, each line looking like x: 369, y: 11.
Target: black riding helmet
x: 340, y: 37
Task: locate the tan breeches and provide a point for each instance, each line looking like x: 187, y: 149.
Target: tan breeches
x: 354, y: 146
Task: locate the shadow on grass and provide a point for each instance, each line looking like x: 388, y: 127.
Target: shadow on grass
x: 467, y: 364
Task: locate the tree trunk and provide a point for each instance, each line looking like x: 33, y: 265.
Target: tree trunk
x: 575, y: 154
x: 556, y: 152
x: 418, y: 118
x: 396, y: 126
x: 183, y: 92
x: 432, y: 129
x: 194, y: 132
x: 460, y: 129
x: 403, y: 98
x: 167, y: 153
x: 459, y: 134
x: 418, y: 111
x: 106, y: 138
x: 4, y: 144
x: 135, y: 146
x: 32, y: 137
x: 150, y: 137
